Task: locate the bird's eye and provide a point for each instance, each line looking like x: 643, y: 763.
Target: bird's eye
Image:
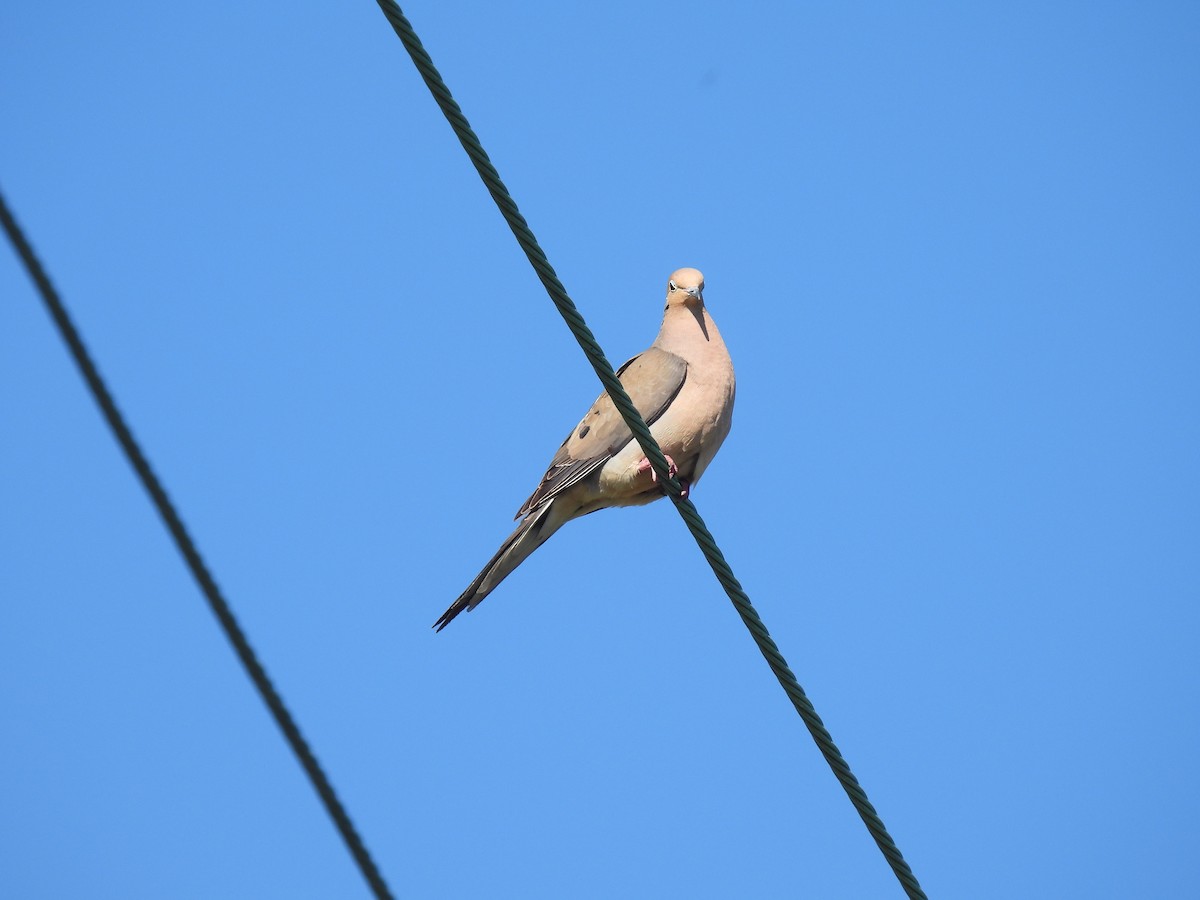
x: 671, y: 286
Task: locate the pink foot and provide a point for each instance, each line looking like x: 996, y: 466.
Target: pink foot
x: 644, y: 466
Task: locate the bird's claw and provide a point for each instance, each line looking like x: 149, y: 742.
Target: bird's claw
x: 672, y: 469
x: 644, y: 466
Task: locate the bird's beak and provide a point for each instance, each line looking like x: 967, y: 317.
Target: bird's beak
x: 696, y: 293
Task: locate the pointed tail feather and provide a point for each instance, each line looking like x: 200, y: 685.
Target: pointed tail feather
x: 533, y: 531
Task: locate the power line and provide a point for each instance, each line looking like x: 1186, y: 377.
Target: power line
x: 583, y: 335
x: 191, y: 555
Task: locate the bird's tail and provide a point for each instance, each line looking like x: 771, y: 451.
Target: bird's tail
x: 533, y: 531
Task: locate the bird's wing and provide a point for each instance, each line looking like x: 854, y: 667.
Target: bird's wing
x: 652, y: 379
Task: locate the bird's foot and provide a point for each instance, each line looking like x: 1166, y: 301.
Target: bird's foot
x: 644, y: 466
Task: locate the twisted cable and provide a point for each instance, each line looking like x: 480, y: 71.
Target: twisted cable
x: 604, y: 370
x: 187, y: 547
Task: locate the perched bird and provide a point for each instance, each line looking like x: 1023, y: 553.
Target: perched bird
x: 683, y: 387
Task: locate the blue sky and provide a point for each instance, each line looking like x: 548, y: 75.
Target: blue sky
x: 955, y: 252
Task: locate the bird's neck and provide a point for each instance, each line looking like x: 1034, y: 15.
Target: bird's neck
x: 680, y: 326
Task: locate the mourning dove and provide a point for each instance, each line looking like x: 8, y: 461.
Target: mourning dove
x: 683, y: 386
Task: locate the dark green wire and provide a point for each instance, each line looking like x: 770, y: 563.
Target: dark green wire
x: 741, y: 602
x: 191, y: 554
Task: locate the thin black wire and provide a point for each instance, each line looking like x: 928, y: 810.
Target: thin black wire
x: 188, y: 548
x: 604, y: 370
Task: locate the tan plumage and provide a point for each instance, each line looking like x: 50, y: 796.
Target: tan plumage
x: 683, y: 386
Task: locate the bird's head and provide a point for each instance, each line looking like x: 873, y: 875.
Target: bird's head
x: 685, y: 288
